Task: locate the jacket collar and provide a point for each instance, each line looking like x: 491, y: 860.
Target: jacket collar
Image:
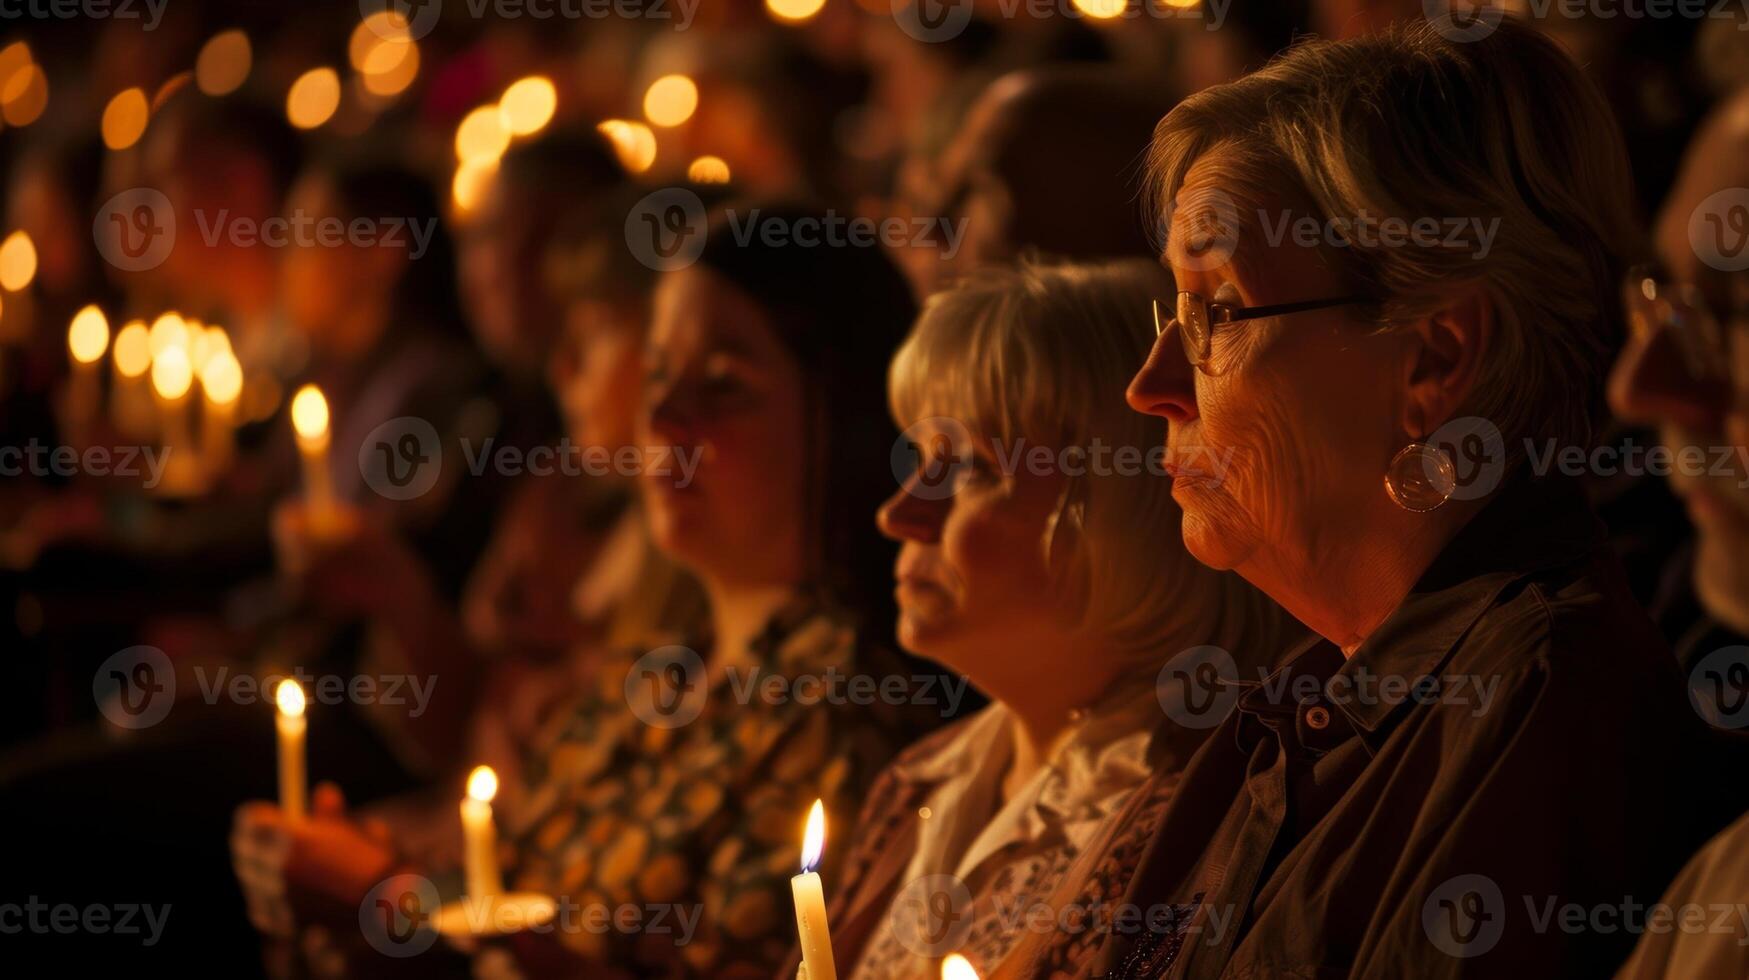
x: 1529, y: 526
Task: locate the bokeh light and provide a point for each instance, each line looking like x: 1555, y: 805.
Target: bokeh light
x: 133, y: 349
x: 24, y: 95
x: 1101, y: 9
x: 670, y: 100
x: 471, y: 181
x: 17, y: 262
x: 708, y: 170
x: 633, y: 141
x: 168, y: 331
x: 313, y: 98
x: 794, y: 10
x: 223, y: 63
x: 88, y: 335
x: 481, y: 136
x: 528, y: 105
x: 171, y: 374
x: 124, y: 119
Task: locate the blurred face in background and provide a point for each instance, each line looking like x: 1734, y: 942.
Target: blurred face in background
x: 509, y: 307
x: 1685, y: 368
x: 597, y: 373
x: 338, y: 296
x: 721, y: 389
x: 973, y: 576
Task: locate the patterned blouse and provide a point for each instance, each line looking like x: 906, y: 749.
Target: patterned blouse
x: 680, y: 805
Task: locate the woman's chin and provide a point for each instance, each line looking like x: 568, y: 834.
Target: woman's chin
x: 1209, y: 541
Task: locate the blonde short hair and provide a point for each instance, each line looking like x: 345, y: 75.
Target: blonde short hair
x: 1409, y: 124
x: 1040, y: 355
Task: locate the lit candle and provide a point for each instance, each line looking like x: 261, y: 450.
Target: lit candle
x: 290, y: 697
x: 810, y: 901
x: 130, y: 401
x: 957, y: 967
x: 480, y: 860
x: 221, y: 381
x: 309, y: 412
x: 87, y: 339
x: 172, y: 376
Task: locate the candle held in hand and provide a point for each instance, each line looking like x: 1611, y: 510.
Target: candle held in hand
x: 309, y: 412
x: 810, y: 898
x: 480, y: 862
x: 290, y: 698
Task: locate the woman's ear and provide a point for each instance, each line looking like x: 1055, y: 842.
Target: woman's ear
x: 1446, y: 352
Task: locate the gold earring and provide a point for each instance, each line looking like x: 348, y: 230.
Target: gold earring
x: 1421, y: 477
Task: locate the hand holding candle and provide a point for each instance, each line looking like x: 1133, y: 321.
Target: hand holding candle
x: 481, y: 857
x: 810, y: 900
x: 292, y: 783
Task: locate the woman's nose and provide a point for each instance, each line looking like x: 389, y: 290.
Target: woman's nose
x: 912, y: 513
x: 1653, y: 384
x: 1166, y: 384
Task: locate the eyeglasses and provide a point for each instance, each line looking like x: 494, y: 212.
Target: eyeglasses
x: 1653, y: 301
x: 1197, y: 318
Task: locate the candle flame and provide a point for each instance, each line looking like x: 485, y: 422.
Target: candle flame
x: 482, y: 784
x: 309, y: 412
x: 290, y: 697
x: 88, y: 335
x: 957, y: 967
x: 172, y: 374
x: 133, y: 352
x: 814, y: 841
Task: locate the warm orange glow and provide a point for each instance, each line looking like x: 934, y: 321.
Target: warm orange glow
x: 1101, y: 9
x: 17, y: 262
x: 481, y: 136
x: 482, y: 784
x: 313, y: 98
x: 24, y: 95
x: 309, y: 411
x: 171, y: 374
x: 471, y: 181
x: 223, y: 63
x: 88, y: 335
x: 670, y: 100
x: 289, y: 695
x: 403, y: 58
x: 133, y: 349
x: 124, y: 119
x: 528, y: 105
x: 168, y: 331
x: 794, y: 10
x: 957, y: 967
x: 814, y: 839
x: 384, y: 26
x: 708, y: 170
x: 221, y: 378
x: 633, y: 141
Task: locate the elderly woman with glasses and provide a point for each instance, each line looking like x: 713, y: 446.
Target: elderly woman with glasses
x: 1395, y: 262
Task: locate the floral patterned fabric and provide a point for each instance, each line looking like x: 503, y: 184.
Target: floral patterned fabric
x: 701, y: 822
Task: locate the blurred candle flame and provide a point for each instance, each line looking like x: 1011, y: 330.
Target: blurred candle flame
x: 289, y: 695
x: 482, y: 784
